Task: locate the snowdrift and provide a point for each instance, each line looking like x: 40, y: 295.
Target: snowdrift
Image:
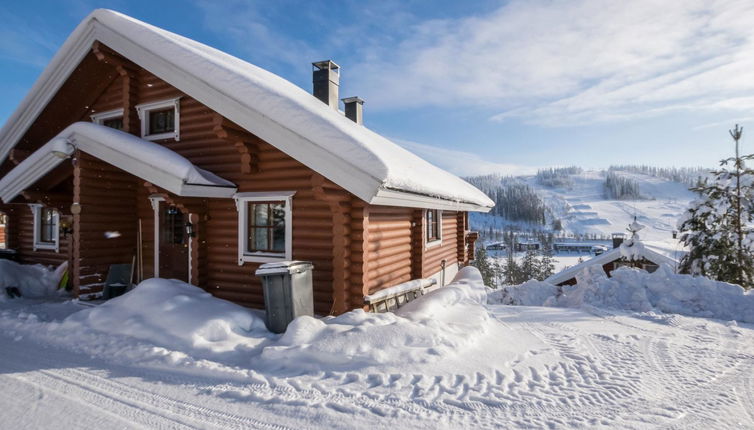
x: 176, y: 316
x: 637, y: 290
x: 436, y: 325
x: 34, y: 281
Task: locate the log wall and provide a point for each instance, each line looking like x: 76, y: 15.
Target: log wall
x: 107, y: 198
x: 447, y: 250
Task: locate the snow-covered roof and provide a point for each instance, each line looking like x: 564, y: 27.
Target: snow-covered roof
x: 361, y: 161
x: 631, y: 250
x: 146, y: 160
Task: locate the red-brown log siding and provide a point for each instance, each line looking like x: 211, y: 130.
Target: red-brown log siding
x: 356, y: 248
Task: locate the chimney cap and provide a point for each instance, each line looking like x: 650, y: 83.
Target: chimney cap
x: 326, y: 64
x: 353, y: 99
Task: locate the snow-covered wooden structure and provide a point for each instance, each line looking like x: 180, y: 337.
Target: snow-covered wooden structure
x: 632, y: 253
x: 137, y: 143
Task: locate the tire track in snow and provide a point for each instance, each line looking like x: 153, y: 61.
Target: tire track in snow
x: 150, y: 409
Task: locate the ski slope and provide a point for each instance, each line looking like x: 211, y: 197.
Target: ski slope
x: 583, y: 208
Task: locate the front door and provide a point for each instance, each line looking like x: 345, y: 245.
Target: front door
x: 173, y: 243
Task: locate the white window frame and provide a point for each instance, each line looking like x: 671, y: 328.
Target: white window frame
x: 438, y: 241
x: 101, y: 117
x: 143, y: 111
x: 36, y: 210
x: 242, y: 207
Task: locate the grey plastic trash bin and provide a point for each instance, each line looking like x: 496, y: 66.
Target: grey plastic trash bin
x: 287, y: 287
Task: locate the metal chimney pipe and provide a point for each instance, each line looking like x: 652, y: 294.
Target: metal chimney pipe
x: 354, y: 109
x: 326, y: 80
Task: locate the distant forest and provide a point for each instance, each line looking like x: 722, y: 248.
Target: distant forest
x: 514, y: 199
x: 619, y: 187
x: 689, y: 176
x: 557, y: 177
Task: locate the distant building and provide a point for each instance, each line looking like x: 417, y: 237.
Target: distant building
x: 499, y: 246
x: 631, y: 253
x: 527, y: 245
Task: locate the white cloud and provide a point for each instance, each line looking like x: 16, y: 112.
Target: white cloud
x: 568, y: 62
x: 463, y: 163
x: 548, y: 62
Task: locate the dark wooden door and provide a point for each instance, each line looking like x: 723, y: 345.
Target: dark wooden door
x: 173, y: 243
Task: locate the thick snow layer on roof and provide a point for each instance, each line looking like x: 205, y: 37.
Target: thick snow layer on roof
x: 356, y: 158
x: 158, y: 156
x: 147, y: 160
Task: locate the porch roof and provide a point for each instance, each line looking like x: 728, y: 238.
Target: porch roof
x: 147, y: 160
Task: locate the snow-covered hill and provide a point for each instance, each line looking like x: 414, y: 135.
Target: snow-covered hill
x: 583, y: 209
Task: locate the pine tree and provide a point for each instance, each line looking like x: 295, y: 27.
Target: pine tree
x: 546, y: 266
x: 715, y: 227
x: 482, y: 262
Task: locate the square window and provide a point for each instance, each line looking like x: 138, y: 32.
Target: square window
x: 264, y: 226
x: 162, y: 121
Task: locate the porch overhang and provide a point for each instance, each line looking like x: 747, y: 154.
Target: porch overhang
x: 146, y: 160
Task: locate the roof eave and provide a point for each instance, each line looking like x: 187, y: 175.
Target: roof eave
x: 403, y: 199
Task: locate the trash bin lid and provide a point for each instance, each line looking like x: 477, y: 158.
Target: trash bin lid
x: 280, y: 267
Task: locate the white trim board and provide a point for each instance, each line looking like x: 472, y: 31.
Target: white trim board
x: 232, y: 87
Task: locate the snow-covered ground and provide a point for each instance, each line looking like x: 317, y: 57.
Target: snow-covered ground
x: 448, y: 360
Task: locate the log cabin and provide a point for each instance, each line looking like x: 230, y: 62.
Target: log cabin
x: 139, y: 145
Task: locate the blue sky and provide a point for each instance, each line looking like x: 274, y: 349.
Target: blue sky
x: 478, y: 86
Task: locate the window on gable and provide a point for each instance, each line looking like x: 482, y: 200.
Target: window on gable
x: 116, y: 123
x: 434, y: 225
x: 111, y: 118
x: 264, y: 226
x: 160, y: 120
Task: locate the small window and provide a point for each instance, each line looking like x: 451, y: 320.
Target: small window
x: 434, y: 226
x: 266, y: 229
x: 111, y: 118
x: 173, y: 227
x: 160, y: 120
x: 116, y: 123
x: 46, y: 227
x: 264, y: 226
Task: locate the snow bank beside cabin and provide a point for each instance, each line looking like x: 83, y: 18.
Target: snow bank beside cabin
x: 175, y: 315
x: 34, y: 281
x: 170, y: 320
x: 637, y: 290
x: 436, y: 325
